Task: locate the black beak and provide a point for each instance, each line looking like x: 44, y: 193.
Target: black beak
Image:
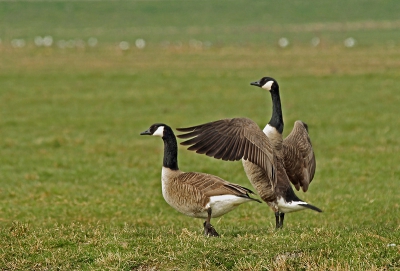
x: 147, y: 132
x: 256, y: 83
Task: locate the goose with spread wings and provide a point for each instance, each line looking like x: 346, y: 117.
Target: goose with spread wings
x: 271, y: 163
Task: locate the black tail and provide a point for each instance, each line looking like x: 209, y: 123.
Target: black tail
x: 312, y: 207
x: 291, y: 196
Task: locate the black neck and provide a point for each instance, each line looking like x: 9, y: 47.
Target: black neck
x: 170, y: 150
x: 276, y: 118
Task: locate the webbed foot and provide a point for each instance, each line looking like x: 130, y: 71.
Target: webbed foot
x: 209, y: 230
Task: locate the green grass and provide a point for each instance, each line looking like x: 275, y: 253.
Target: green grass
x: 81, y: 190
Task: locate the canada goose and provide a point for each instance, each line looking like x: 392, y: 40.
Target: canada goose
x: 270, y: 162
x: 296, y: 149
x: 195, y: 194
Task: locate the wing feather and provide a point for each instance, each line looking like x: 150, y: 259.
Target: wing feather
x: 210, y: 185
x: 231, y: 139
x: 299, y: 156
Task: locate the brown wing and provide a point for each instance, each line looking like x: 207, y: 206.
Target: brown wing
x: 299, y: 158
x: 231, y: 140
x: 210, y: 185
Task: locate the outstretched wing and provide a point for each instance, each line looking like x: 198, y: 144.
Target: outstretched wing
x: 231, y: 140
x: 299, y: 156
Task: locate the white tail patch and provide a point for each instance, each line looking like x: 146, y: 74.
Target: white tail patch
x: 288, y: 207
x: 223, y: 204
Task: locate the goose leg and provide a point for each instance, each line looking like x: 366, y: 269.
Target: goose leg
x: 208, y: 228
x: 277, y: 224
x: 279, y: 219
x: 282, y: 216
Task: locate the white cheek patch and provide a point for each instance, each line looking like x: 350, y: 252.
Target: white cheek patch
x: 268, y: 85
x: 159, y: 132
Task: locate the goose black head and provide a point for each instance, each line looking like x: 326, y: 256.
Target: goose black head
x: 157, y: 129
x: 267, y: 83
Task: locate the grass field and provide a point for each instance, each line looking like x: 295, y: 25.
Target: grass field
x: 81, y: 190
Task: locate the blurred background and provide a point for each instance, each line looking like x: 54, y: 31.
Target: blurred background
x: 164, y: 24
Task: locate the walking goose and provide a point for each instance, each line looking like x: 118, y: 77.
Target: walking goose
x: 270, y: 162
x: 195, y: 194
